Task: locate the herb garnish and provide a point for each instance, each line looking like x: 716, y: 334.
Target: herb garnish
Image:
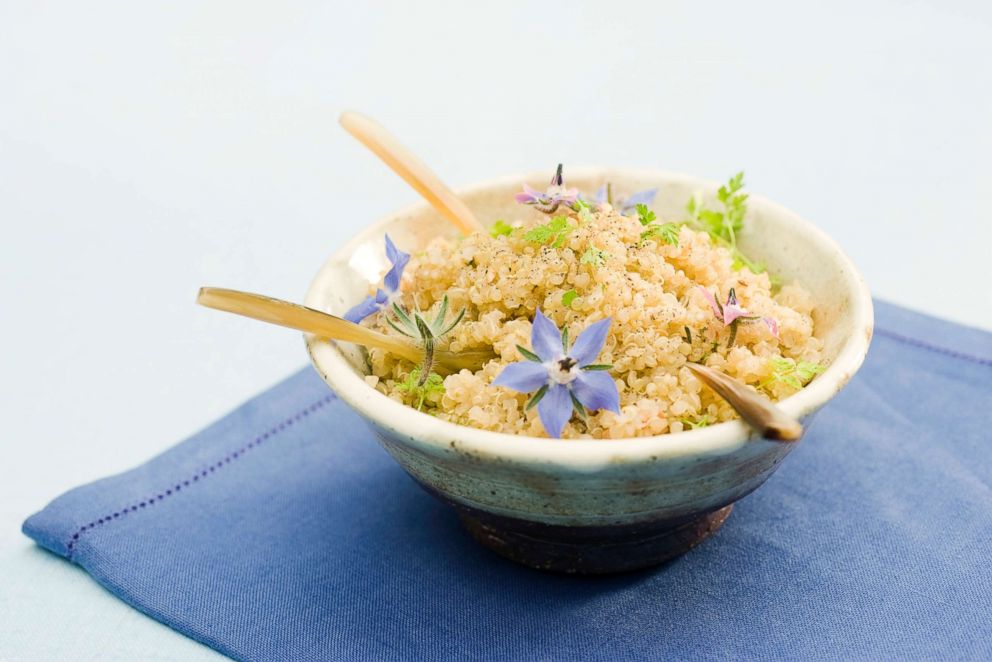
x: 553, y: 232
x: 723, y: 226
x: 594, y: 256
x: 645, y: 215
x: 791, y: 372
x: 568, y: 297
x: 667, y: 232
x: 500, y: 229
x: 414, y: 325
x: 700, y: 422
x: 422, y: 388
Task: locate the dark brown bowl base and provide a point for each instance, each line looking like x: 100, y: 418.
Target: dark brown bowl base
x: 589, y: 550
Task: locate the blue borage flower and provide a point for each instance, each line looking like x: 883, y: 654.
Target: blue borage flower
x: 624, y: 205
x: 563, y: 379
x: 386, y: 295
x: 549, y: 200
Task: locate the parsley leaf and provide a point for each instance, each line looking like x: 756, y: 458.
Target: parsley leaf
x: 723, y: 226
x: 668, y: 232
x: 700, y: 422
x: 500, y: 229
x: 645, y: 215
x: 568, y: 297
x: 554, y: 232
x: 433, y: 385
x: 594, y: 256
x: 792, y: 373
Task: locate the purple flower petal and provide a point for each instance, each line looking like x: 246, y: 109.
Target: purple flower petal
x: 645, y: 197
x: 596, y: 390
x: 601, y: 195
x: 712, y: 300
x: 395, y: 274
x: 731, y: 312
x: 545, y: 339
x: 357, y: 313
x: 772, y: 324
x: 555, y: 408
x: 566, y: 196
x: 530, y: 195
x: 590, y: 342
x: 525, y: 376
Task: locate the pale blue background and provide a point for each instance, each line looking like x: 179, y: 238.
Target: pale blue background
x: 149, y: 148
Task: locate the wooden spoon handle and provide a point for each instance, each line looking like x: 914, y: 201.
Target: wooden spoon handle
x: 301, y: 318
x: 757, y: 410
x: 416, y: 173
x: 295, y: 316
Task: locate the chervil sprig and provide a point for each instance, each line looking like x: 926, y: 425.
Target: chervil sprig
x: 724, y: 226
x: 594, y: 256
x: 500, y: 229
x: 645, y: 215
x: 791, y: 372
x: 422, y: 389
x: 667, y: 232
x: 554, y: 232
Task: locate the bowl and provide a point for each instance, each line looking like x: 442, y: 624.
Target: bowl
x: 593, y: 506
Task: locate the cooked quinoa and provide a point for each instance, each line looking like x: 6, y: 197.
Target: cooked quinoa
x: 601, y: 267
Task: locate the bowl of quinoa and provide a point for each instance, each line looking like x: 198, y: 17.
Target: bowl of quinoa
x: 618, y: 457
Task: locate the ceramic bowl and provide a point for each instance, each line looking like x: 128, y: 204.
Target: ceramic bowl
x: 593, y: 506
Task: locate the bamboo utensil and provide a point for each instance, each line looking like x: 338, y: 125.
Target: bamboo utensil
x: 301, y: 318
x: 414, y: 171
x: 758, y: 411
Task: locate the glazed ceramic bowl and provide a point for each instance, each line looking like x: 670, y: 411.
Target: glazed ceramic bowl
x: 593, y: 506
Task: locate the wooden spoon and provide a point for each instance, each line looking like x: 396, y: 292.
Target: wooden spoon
x: 295, y: 316
x: 416, y: 173
x: 758, y: 411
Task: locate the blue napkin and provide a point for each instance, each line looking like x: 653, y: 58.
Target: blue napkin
x: 283, y: 532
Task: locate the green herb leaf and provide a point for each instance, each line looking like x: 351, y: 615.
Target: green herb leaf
x: 536, y: 397
x: 792, y: 373
x: 579, y: 408
x: 553, y: 232
x: 527, y: 354
x: 700, y: 422
x: 595, y: 257
x: 568, y: 297
x: 434, y: 384
x: 597, y: 366
x: 500, y: 229
x: 667, y: 232
x: 645, y: 215
x: 723, y: 226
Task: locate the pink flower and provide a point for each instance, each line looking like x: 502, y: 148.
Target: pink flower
x: 549, y: 200
x: 731, y: 313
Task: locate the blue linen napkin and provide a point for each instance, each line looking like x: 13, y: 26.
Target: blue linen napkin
x: 283, y: 532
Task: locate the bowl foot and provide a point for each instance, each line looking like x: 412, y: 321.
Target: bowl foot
x: 590, y: 550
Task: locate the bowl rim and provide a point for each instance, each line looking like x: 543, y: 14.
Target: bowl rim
x: 434, y: 435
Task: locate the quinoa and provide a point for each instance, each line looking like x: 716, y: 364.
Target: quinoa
x: 602, y: 267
